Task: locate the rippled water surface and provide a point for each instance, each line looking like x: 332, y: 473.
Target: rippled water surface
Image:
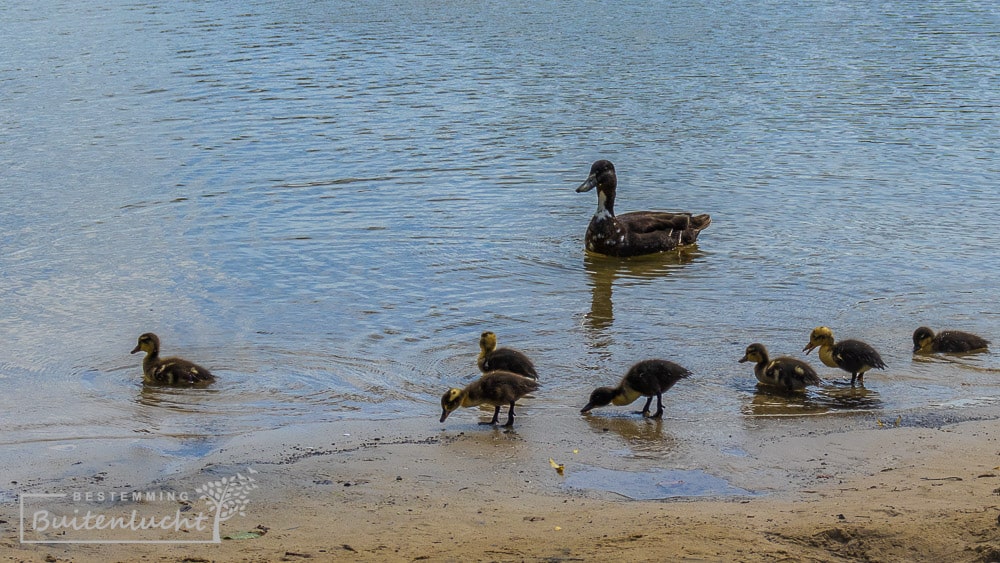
x: 327, y: 202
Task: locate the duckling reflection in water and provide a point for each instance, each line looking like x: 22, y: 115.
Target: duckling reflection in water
x: 492, y: 358
x: 495, y: 388
x: 947, y: 341
x: 171, y: 371
x: 648, y: 378
x: 788, y: 373
x: 853, y: 356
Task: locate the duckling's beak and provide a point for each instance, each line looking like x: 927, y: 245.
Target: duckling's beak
x: 136, y: 349
x: 444, y: 414
x: 587, y: 408
x: 916, y: 348
x: 809, y: 348
x: 588, y: 184
x: 744, y: 359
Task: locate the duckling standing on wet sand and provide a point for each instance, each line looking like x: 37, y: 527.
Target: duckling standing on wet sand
x: 172, y: 371
x: 495, y: 388
x: 853, y: 356
x: 492, y: 358
x: 790, y: 373
x: 648, y: 378
x: 948, y: 341
x: 636, y: 233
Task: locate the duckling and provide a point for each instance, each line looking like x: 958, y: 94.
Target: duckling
x: 172, y: 371
x: 790, y: 373
x: 492, y: 358
x: 647, y: 378
x: 926, y: 342
x: 495, y: 388
x: 853, y: 356
x: 636, y: 233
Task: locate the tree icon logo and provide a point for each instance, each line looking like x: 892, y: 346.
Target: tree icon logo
x: 227, y: 498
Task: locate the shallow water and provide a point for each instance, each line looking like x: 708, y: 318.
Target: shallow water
x: 327, y: 203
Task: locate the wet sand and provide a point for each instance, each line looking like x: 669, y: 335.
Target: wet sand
x: 408, y: 490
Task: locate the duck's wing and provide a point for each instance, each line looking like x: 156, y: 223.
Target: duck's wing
x: 957, y: 341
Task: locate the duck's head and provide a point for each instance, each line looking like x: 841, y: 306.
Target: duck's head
x: 487, y: 342
x: 755, y: 353
x: 451, y: 400
x: 820, y: 336
x: 600, y: 397
x: 148, y: 343
x: 922, y: 337
x: 602, y: 176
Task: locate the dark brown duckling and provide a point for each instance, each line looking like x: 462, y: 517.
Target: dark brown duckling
x: 648, y: 378
x: 790, y: 373
x: 171, y: 371
x: 948, y: 341
x: 492, y: 358
x: 853, y: 356
x: 636, y: 233
x: 495, y: 388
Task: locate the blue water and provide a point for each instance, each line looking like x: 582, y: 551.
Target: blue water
x: 327, y: 202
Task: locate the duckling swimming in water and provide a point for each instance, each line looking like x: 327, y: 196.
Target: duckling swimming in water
x: 172, y: 371
x: 790, y: 373
x: 636, y: 233
x: 648, y: 378
x: 949, y: 341
x: 492, y: 358
x: 853, y: 356
x: 495, y: 388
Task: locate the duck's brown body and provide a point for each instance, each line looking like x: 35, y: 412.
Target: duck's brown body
x: 852, y: 356
x: 169, y: 371
x: 947, y: 341
x: 495, y: 388
x: 785, y: 372
x: 648, y: 378
x: 492, y: 358
x: 638, y: 232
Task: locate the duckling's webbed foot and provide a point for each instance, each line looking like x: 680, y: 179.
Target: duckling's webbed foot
x: 510, y: 416
x: 659, y: 406
x: 645, y: 409
x: 496, y: 417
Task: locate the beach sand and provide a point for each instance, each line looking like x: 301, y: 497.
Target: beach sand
x: 415, y: 490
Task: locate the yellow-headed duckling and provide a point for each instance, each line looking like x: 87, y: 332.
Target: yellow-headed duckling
x: 949, y: 341
x: 495, y: 388
x: 492, y: 358
x: 636, y: 233
x: 853, y: 356
x: 648, y: 378
x: 789, y: 373
x: 171, y: 371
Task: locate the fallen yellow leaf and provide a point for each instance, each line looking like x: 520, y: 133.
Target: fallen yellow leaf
x: 557, y: 466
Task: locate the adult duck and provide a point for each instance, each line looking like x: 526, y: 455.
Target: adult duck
x: 638, y: 232
x: 170, y: 371
x: 947, y: 341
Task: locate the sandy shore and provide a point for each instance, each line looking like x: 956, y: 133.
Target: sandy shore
x: 412, y: 491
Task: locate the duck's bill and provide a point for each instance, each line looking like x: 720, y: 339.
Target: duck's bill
x: 808, y: 348
x: 588, y: 184
x: 587, y: 408
x: 134, y: 350
x: 444, y: 415
x: 743, y: 359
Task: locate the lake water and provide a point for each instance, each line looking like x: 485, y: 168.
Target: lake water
x: 327, y: 202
